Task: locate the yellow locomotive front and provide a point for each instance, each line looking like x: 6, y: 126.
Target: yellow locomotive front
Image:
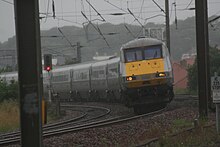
x: 146, y: 73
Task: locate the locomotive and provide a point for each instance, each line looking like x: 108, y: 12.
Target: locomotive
x: 140, y: 78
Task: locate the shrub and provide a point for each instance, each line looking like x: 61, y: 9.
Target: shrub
x: 8, y: 91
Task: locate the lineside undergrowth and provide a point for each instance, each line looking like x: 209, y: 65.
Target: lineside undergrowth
x: 9, y: 116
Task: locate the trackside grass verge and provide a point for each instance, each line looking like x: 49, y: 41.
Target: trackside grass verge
x: 174, y: 136
x: 9, y: 116
x: 201, y: 137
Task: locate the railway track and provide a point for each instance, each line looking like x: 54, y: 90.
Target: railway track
x: 80, y: 127
x: 14, y: 137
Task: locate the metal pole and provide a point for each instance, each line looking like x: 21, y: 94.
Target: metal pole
x: 49, y: 87
x: 218, y: 117
x: 167, y: 25
x: 202, y: 56
x: 58, y: 105
x: 29, y: 71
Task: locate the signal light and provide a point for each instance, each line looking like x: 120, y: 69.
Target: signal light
x: 48, y: 68
x: 48, y: 62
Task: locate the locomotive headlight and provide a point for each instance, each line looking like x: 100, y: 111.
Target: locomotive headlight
x: 130, y: 78
x: 162, y: 74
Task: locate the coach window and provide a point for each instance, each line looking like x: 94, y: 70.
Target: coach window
x: 113, y: 72
x: 95, y: 74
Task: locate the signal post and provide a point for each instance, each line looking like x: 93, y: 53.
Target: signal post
x: 48, y: 67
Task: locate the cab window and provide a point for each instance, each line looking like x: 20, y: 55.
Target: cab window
x: 133, y: 55
x: 152, y: 52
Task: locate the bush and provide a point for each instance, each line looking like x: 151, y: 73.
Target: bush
x: 214, y: 58
x: 8, y: 91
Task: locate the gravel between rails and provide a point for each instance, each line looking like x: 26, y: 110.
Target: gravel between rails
x: 131, y: 133
x: 126, y: 134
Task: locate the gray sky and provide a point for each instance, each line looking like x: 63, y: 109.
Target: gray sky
x: 68, y: 12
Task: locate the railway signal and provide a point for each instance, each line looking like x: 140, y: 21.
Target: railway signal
x: 48, y: 62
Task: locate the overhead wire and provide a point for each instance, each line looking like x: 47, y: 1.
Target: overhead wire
x: 158, y: 15
x: 82, y: 6
x: 69, y: 21
x: 100, y: 32
x: 47, y: 11
x: 97, y: 29
x: 136, y: 19
x: 214, y: 19
x: 90, y: 12
x: 142, y: 4
x: 103, y: 19
x: 56, y: 52
x: 45, y: 3
x: 8, y: 2
x: 115, y: 6
x: 188, y: 4
x: 66, y: 38
x: 159, y: 6
x: 126, y: 27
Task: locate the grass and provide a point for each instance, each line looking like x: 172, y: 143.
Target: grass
x: 10, y: 119
x: 51, y: 113
x: 181, y: 91
x: 184, y: 91
x: 9, y: 116
x: 198, y: 137
x: 180, y: 124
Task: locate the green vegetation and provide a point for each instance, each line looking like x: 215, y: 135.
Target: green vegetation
x: 207, y: 137
x: 174, y: 136
x: 181, y: 91
x: 214, y: 57
x: 9, y: 109
x: 9, y: 116
x: 8, y: 91
x: 181, y: 123
x: 6, y: 69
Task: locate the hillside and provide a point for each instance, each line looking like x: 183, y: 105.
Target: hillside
x: 183, y: 39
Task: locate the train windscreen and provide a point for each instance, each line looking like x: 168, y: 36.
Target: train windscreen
x: 143, y: 53
x: 152, y: 52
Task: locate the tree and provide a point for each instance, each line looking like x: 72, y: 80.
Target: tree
x: 192, y: 77
x: 214, y: 57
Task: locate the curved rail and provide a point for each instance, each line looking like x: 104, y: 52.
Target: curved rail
x: 15, y: 136
x: 96, y: 124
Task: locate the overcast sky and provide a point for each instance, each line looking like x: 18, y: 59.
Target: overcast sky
x: 68, y: 12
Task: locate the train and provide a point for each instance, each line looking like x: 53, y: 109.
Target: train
x: 141, y: 77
